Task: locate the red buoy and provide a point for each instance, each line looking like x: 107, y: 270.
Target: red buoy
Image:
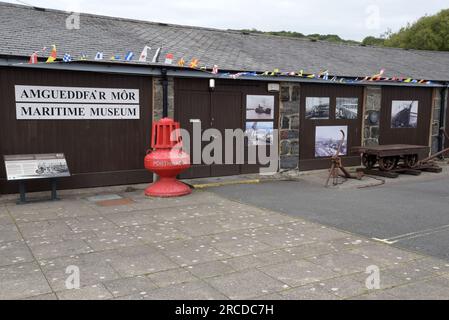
x: 167, y: 160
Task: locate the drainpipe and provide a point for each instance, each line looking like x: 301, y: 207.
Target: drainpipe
x: 443, y: 110
x: 164, y: 82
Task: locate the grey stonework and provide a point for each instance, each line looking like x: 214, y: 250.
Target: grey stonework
x: 373, y: 102
x: 289, y: 125
x: 158, y: 98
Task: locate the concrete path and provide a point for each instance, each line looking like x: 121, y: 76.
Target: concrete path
x: 127, y: 246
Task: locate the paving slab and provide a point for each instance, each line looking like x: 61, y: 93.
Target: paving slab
x: 309, y: 292
x: 130, y: 286
x: 14, y: 252
x: 22, y: 281
x: 9, y: 233
x: 59, y: 248
x: 190, y: 252
x: 89, y: 275
x: 247, y: 284
x: 211, y: 269
x: 197, y: 290
x: 94, y: 292
x: 172, y: 277
x: 299, y: 272
x: 141, y: 260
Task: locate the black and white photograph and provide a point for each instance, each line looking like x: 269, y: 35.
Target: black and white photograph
x: 404, y: 114
x: 259, y: 133
x: 259, y: 107
x: 328, y: 139
x: 347, y: 108
x: 317, y: 108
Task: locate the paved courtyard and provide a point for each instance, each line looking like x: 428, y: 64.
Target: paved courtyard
x: 198, y: 247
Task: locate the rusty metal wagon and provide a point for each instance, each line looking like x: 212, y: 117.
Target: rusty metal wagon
x: 389, y: 157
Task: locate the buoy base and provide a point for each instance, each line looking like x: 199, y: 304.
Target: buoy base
x: 167, y: 188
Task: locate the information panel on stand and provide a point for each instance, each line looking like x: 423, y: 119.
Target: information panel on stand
x: 36, y: 166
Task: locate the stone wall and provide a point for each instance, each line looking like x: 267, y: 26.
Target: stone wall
x: 158, y: 98
x: 289, y: 125
x: 373, y: 102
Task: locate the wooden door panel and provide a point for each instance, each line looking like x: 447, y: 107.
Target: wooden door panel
x: 226, y: 113
x: 193, y: 105
x: 308, y: 127
x: 415, y: 136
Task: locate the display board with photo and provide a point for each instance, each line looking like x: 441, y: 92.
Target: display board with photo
x: 328, y: 139
x: 259, y: 107
x: 347, y: 108
x: 404, y: 114
x: 317, y: 108
x: 259, y: 133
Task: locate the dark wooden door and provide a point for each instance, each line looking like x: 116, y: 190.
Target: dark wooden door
x: 194, y: 106
x: 226, y: 113
x: 222, y: 108
x: 393, y: 132
x: 323, y: 121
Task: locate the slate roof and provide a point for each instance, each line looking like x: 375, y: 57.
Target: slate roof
x: 25, y: 29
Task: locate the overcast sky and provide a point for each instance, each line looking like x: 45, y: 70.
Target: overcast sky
x: 350, y: 19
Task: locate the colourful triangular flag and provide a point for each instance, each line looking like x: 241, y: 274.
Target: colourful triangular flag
x: 99, y: 56
x: 67, y: 58
x: 194, y: 63
x: 129, y: 56
x: 181, y: 62
x: 144, y: 55
x: 169, y: 58
x: 53, y: 55
x: 33, y: 58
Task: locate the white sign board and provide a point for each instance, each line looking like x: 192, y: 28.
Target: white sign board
x: 75, y: 103
x: 36, y: 166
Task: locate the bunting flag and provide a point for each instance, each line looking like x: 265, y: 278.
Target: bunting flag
x: 324, y: 74
x: 99, y: 56
x: 67, y: 58
x: 156, y: 55
x: 144, y: 55
x: 33, y: 58
x: 53, y: 55
x: 378, y: 76
x: 129, y: 56
x: 181, y: 62
x: 194, y: 63
x: 169, y: 58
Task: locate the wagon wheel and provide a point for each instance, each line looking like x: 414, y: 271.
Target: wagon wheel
x: 369, y: 161
x: 411, y: 161
x: 388, y: 163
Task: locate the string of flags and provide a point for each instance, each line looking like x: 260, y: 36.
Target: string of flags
x: 195, y: 64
